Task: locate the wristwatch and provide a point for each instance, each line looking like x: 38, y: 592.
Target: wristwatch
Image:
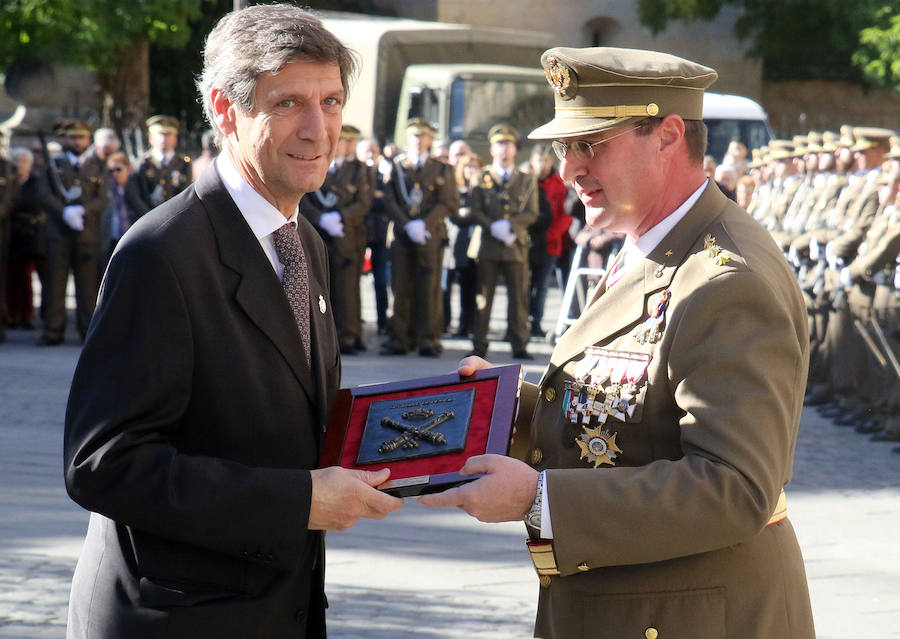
x: 533, y: 517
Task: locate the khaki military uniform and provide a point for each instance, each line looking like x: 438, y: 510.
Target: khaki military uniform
x: 348, y: 190
x: 666, y: 422
x: 516, y: 201
x: 428, y: 193
x: 68, y: 249
x: 158, y: 182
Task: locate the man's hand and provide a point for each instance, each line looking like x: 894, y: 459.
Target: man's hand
x: 504, y: 493
x: 468, y: 365
x: 341, y: 496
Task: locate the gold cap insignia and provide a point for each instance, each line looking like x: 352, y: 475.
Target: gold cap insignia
x: 560, y: 78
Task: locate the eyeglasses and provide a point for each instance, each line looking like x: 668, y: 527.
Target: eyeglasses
x: 582, y: 150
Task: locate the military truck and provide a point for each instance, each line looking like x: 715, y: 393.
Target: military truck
x: 463, y: 79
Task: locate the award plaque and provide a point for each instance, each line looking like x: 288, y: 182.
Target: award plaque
x: 424, y: 429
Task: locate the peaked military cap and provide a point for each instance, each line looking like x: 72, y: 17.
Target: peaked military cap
x: 800, y: 148
x: 604, y: 87
x: 814, y: 142
x: 780, y: 149
x: 72, y: 127
x: 895, y: 148
x: 830, y: 141
x: 165, y: 123
x: 503, y: 133
x: 847, y: 139
x: 868, y: 137
x: 349, y: 132
x: 418, y: 126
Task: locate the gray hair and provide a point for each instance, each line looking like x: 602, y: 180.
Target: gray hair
x: 104, y: 135
x: 263, y: 39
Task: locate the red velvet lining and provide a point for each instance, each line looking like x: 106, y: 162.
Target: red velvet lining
x: 476, y: 442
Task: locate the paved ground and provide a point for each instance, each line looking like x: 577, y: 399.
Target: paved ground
x: 424, y: 573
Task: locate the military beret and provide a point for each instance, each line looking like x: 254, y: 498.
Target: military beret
x: 72, y: 127
x: 868, y: 137
x: 781, y: 149
x: 165, y: 123
x: 349, y: 132
x: 600, y: 88
x: 503, y: 133
x: 418, y: 126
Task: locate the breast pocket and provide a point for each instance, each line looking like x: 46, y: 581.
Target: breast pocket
x: 699, y: 614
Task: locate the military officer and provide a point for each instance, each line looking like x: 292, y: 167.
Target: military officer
x: 74, y: 200
x: 9, y: 187
x: 338, y: 209
x: 162, y: 173
x: 660, y: 438
x: 504, y: 205
x: 420, y: 194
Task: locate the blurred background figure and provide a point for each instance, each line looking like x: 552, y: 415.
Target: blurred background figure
x: 465, y: 268
x: 369, y: 153
x: 208, y: 153
x: 726, y: 179
x: 162, y: 173
x: 546, y: 247
x: 743, y: 193
x: 27, y: 241
x: 125, y: 206
x: 736, y: 157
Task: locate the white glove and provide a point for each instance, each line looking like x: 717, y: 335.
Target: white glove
x: 501, y: 230
x: 845, y: 277
x: 332, y: 223
x: 73, y: 215
x: 793, y: 256
x: 814, y: 250
x: 416, y: 231
x: 833, y: 260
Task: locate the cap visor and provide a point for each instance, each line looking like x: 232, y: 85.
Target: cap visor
x: 574, y: 127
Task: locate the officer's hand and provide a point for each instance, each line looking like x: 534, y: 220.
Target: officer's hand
x: 468, y: 365
x: 505, y: 492
x: 340, y: 496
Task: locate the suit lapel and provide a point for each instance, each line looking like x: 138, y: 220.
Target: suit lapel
x: 258, y: 292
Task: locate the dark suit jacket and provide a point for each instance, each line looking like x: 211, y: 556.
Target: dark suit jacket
x: 192, y: 424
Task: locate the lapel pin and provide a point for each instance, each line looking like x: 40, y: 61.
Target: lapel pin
x: 322, y: 306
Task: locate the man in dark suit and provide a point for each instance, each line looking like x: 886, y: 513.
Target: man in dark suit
x: 200, y: 400
x: 659, y: 440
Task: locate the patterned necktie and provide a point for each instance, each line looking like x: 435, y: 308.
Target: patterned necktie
x: 295, y: 279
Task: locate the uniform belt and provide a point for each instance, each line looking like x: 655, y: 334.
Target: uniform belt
x: 541, y: 550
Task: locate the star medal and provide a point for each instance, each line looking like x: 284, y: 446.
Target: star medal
x: 651, y: 329
x: 713, y: 250
x: 598, y: 446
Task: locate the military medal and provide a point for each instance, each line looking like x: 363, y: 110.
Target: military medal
x: 598, y: 446
x: 651, y: 329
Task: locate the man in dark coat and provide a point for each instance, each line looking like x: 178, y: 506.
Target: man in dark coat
x: 199, y: 404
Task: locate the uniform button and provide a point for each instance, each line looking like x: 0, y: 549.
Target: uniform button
x: 651, y: 633
x: 536, y: 456
x: 583, y: 567
x: 545, y: 581
x: 300, y: 616
x: 549, y: 393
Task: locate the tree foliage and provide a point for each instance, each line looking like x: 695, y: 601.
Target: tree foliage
x: 879, y: 51
x: 91, y: 33
x: 795, y: 39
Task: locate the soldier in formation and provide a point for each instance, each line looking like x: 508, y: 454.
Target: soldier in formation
x: 162, y: 173
x: 835, y: 215
x: 338, y: 209
x: 420, y: 193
